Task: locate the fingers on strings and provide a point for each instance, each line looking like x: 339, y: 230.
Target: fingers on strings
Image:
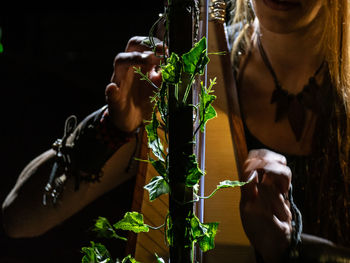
x: 266, y: 168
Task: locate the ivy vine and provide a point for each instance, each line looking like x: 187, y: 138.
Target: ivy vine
x: 174, y: 69
x: 193, y: 64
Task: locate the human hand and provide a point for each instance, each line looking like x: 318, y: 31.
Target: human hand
x: 265, y: 212
x: 127, y: 96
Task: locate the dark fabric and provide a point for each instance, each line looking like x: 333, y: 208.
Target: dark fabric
x: 94, y: 142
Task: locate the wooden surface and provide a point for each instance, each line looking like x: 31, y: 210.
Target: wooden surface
x: 225, y: 151
x: 144, y: 245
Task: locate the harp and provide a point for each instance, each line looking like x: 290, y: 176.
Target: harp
x: 223, y: 152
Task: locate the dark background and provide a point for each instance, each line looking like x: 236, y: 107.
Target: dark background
x: 56, y: 62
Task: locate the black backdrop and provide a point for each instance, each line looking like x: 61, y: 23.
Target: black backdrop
x: 56, y: 62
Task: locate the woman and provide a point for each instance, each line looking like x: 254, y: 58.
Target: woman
x: 294, y: 85
x: 289, y: 34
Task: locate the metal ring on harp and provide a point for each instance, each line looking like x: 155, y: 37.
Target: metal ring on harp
x: 217, y: 11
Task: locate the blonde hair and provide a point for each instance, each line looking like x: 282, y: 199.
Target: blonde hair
x: 243, y: 17
x: 337, y: 50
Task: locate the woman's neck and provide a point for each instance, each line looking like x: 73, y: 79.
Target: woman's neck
x: 294, y: 56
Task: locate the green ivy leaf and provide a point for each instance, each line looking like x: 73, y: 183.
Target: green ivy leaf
x: 171, y: 72
x: 154, y: 142
x: 132, y: 221
x: 97, y: 253
x: 169, y: 231
x: 203, y: 233
x: 195, y: 60
x: 193, y: 173
x: 129, y: 259
x: 159, y: 166
x: 206, y: 110
x: 159, y: 259
x: 228, y: 183
x: 104, y: 229
x: 156, y: 187
x: 210, y: 113
x: 151, y: 136
x: 198, y: 230
x: 207, y: 242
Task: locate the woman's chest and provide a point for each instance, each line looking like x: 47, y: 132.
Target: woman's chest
x: 259, y: 116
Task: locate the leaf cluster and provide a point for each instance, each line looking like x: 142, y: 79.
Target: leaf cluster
x: 98, y: 253
x: 132, y: 221
x: 174, y: 71
x: 191, y: 63
x: 197, y: 232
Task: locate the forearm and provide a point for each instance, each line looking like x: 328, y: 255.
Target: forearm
x: 25, y: 214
